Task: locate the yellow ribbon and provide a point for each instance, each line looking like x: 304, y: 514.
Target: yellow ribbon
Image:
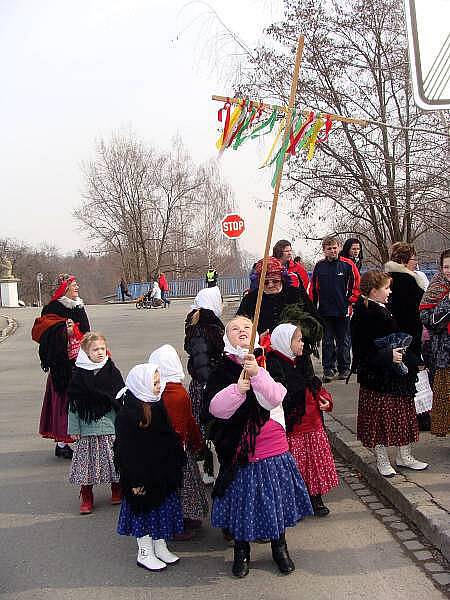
x: 275, y: 142
x: 313, y: 138
x: 221, y: 144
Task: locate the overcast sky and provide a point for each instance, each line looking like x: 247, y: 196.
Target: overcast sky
x: 72, y: 72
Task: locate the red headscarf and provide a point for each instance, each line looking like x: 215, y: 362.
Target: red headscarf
x: 62, y: 288
x: 274, y: 266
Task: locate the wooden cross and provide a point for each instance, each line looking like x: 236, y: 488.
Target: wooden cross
x: 287, y: 128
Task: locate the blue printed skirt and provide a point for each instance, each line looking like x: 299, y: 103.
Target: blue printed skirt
x: 264, y: 498
x: 160, y: 523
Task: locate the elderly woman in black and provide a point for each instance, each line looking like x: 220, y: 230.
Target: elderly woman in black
x: 278, y: 294
x: 58, y: 332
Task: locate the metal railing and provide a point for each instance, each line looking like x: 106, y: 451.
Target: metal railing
x: 188, y: 288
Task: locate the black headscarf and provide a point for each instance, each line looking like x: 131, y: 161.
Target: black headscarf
x: 92, y: 395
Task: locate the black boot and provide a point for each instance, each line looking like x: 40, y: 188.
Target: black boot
x: 281, y: 556
x: 241, y: 562
x: 319, y: 508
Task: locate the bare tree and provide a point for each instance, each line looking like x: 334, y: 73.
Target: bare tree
x: 387, y: 184
x: 154, y: 209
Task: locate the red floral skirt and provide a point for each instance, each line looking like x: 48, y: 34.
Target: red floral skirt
x: 53, y: 422
x: 386, y: 419
x: 312, y: 453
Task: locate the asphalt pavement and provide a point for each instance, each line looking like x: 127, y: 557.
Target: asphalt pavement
x: 49, y: 551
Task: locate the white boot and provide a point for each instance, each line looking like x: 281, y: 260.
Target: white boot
x: 162, y: 552
x: 383, y: 464
x: 146, y: 556
x: 404, y: 458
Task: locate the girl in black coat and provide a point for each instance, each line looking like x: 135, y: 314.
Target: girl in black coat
x: 149, y: 458
x: 386, y: 411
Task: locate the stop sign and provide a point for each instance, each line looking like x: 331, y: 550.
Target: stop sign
x: 233, y: 226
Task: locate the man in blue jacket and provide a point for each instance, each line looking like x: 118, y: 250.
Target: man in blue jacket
x: 335, y: 287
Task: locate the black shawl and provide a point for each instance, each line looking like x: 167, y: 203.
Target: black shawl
x: 92, y: 395
x: 272, y: 306
x: 151, y: 458
x: 77, y: 314
x: 296, y: 376
x: 54, y: 356
x: 204, y: 343
x: 234, y: 438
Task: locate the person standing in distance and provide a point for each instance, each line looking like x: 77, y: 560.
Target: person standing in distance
x: 335, y: 287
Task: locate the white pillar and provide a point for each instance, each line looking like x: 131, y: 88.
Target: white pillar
x: 8, y: 292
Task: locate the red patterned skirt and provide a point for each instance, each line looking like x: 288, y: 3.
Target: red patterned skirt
x: 54, y: 417
x: 386, y: 419
x: 312, y: 453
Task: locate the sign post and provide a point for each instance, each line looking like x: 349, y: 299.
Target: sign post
x: 429, y: 52
x: 39, y: 279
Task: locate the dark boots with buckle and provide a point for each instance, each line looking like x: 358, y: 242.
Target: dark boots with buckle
x: 281, y: 556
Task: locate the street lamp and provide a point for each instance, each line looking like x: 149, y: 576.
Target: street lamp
x: 39, y: 279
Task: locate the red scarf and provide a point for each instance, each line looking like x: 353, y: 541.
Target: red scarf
x: 438, y: 289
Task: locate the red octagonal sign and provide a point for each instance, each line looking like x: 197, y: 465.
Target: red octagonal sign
x: 233, y: 226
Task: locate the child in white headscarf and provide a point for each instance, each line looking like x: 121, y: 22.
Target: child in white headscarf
x: 149, y: 458
x: 203, y: 343
x: 92, y: 412
x: 303, y: 403
x: 178, y: 405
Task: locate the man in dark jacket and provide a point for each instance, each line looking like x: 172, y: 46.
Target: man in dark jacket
x: 335, y: 287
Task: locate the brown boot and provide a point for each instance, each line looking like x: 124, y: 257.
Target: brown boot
x: 86, y: 500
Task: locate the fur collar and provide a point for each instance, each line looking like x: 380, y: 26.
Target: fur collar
x: 394, y: 267
x: 69, y: 303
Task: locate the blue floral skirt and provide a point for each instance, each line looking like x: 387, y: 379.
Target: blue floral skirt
x: 160, y: 523
x: 264, y: 498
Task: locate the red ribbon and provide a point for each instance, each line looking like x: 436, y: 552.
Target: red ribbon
x: 227, y: 107
x: 326, y: 133
x: 294, y: 140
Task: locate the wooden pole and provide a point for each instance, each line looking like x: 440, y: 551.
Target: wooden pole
x: 305, y: 112
x: 273, y: 212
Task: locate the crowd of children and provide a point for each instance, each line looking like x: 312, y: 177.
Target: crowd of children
x: 260, y: 414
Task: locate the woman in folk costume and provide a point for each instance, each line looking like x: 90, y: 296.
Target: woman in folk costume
x: 435, y: 315
x: 59, y: 331
x: 386, y: 409
x: 203, y: 343
x: 149, y: 458
x: 179, y: 408
x: 259, y: 491
x: 303, y: 403
x: 92, y: 411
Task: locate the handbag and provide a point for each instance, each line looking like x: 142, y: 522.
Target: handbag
x: 424, y: 394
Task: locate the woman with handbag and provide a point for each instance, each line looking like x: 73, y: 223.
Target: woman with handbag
x: 386, y: 410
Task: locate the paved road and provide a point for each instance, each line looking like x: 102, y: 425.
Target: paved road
x: 48, y: 551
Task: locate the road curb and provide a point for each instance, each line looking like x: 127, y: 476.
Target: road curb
x: 9, y: 329
x: 413, y: 501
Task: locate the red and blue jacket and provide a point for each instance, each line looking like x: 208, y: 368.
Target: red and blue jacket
x: 335, y: 286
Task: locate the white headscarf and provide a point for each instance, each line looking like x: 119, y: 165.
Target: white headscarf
x: 84, y: 362
x: 140, y: 383
x: 281, y: 337
x: 169, y: 363
x: 209, y: 298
